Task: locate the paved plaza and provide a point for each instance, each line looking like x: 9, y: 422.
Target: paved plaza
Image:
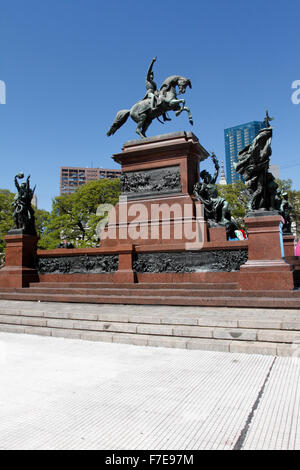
x: 61, y: 393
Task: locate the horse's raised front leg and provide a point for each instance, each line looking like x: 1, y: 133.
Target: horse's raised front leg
x: 189, y: 114
x: 183, y: 108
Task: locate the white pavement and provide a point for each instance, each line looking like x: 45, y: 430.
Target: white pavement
x: 60, y: 393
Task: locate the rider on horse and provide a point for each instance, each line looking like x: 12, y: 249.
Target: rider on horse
x: 152, y: 93
x: 151, y: 86
x: 156, y: 103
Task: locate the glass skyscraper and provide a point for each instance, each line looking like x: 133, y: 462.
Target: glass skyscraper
x: 236, y: 138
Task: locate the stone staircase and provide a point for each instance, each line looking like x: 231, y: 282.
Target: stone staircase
x: 186, y: 294
x: 235, y: 329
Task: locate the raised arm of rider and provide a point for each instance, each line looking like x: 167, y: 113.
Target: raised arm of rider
x: 16, y: 183
x: 150, y: 69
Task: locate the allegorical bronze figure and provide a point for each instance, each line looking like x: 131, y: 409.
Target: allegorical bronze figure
x: 23, y: 212
x: 216, y: 208
x: 156, y: 103
x: 253, y: 164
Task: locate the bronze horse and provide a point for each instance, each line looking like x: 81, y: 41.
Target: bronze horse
x: 166, y: 100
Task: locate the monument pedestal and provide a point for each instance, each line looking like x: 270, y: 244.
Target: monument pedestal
x: 20, y: 256
x: 157, y: 204
x: 266, y: 269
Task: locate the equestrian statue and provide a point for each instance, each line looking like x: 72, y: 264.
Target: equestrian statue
x: 156, y: 103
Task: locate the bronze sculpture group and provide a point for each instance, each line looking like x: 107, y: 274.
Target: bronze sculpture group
x: 253, y: 161
x: 263, y: 191
x: 253, y: 164
x: 261, y: 188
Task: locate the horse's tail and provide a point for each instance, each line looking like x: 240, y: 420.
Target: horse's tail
x: 120, y: 119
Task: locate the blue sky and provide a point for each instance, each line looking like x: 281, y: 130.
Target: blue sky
x: 70, y: 65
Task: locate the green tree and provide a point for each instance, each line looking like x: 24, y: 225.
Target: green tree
x: 6, y: 215
x: 234, y: 194
x: 284, y: 185
x: 73, y: 216
x: 42, y: 218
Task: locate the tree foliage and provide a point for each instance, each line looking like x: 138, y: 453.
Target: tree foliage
x: 73, y: 216
x: 235, y: 196
x: 6, y: 215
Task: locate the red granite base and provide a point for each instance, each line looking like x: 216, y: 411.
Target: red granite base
x: 289, y: 245
x: 20, y: 254
x: 17, y: 276
x: 265, y: 268
x: 217, y: 235
x: 164, y: 215
x: 77, y: 278
x: 266, y: 276
x: 159, y: 221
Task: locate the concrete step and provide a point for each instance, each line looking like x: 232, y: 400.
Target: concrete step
x: 198, y: 327
x: 211, y: 317
x: 233, y: 330
x: 221, y: 340
x: 222, y: 301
